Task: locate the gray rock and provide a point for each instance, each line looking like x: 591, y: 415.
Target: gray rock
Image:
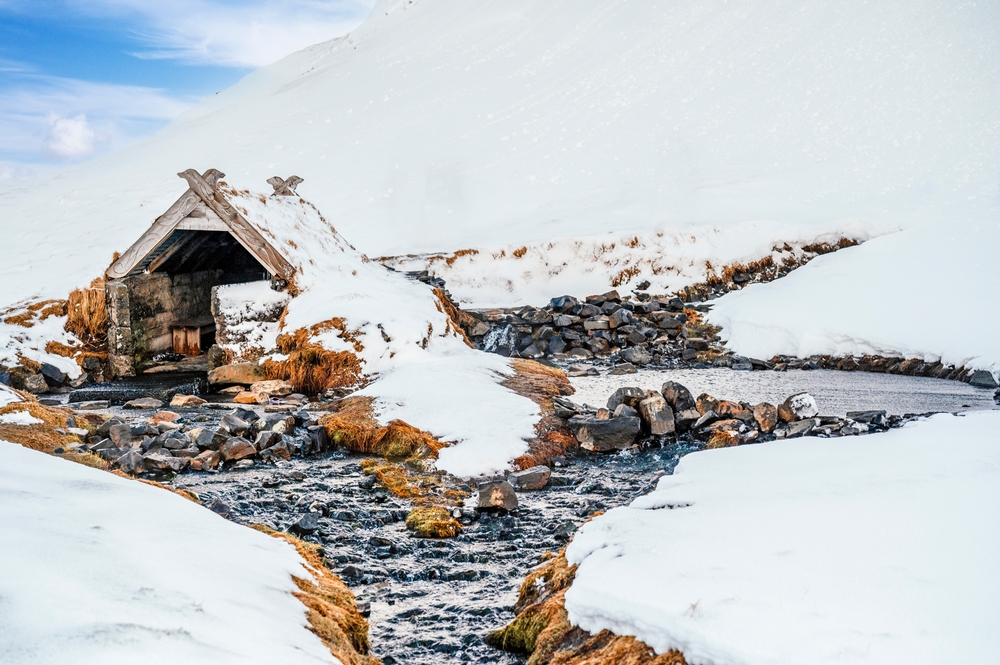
x: 637, y: 356
x: 160, y: 461
x: 657, y: 415
x: 983, y: 379
x: 624, y: 411
x: 121, y: 435
x: 678, y: 397
x: 565, y: 320
x: 534, y: 478
x: 305, y: 525
x: 234, y: 425
x: 629, y: 395
x: 210, y: 439
x: 620, y: 317
x: 131, y: 462
x: 801, y: 427
x: 706, y: 419
x: 582, y: 370
x: 581, y: 353
x: 53, y: 375
x: 237, y: 448
x: 36, y: 384
x: 497, y: 494
x: 266, y: 439
x: 532, y: 352
x: 865, y: 416
x: 143, y: 403
x: 605, y: 435
x: 596, y: 323
x: 622, y: 369
x: 742, y: 364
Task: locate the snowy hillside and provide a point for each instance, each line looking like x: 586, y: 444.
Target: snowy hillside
x: 101, y: 569
x: 871, y: 549
x: 441, y: 124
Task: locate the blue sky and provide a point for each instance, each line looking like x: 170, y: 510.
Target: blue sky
x: 82, y: 77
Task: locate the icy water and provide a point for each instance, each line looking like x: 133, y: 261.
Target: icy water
x: 836, y: 392
x: 433, y: 601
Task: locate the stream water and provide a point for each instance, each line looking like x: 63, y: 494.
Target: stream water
x: 433, y: 601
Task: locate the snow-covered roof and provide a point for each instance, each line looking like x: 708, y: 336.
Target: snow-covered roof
x: 203, y: 207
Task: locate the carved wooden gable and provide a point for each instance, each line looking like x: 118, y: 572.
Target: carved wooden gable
x: 201, y: 208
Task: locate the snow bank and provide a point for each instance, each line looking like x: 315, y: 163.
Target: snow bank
x: 100, y: 569
x: 930, y: 293
x: 876, y: 549
x: 19, y: 418
x: 669, y: 260
x: 8, y: 396
x: 30, y: 340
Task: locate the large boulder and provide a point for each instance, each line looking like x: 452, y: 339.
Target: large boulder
x: 798, y: 407
x: 237, y: 448
x: 637, y: 356
x: 766, y: 416
x: 657, y: 415
x: 678, y: 397
x: 237, y: 374
x: 608, y: 435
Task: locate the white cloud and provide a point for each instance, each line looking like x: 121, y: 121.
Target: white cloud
x: 248, y: 34
x: 58, y: 118
x: 71, y: 138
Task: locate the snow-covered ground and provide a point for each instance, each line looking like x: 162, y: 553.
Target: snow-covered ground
x: 669, y: 260
x: 876, y: 549
x: 100, y: 569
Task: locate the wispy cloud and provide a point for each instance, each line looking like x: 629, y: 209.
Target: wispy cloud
x: 247, y: 34
x: 68, y: 119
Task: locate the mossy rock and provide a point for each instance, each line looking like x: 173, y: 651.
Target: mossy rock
x: 432, y: 522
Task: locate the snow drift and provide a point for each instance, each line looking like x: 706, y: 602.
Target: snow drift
x: 874, y: 549
x: 100, y: 569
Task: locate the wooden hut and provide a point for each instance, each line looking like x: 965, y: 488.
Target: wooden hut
x: 160, y: 290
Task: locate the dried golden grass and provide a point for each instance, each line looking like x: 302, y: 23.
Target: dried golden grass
x: 540, y: 383
x: 625, y: 276
x: 459, y: 254
x: 354, y: 426
x: 309, y: 366
x: 331, y: 609
x: 406, y: 481
x: 723, y: 439
x: 458, y: 321
x: 87, y: 315
x: 542, y: 630
x: 432, y: 522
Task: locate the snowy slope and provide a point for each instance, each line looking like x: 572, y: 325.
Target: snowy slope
x: 443, y: 124
x: 877, y: 549
x: 100, y: 569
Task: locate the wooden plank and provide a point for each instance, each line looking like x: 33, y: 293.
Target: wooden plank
x: 202, y: 224
x: 160, y: 229
x: 162, y: 258
x: 244, y: 232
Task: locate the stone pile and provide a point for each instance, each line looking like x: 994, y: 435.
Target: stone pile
x: 653, y: 330
x: 633, y: 415
x: 168, y: 442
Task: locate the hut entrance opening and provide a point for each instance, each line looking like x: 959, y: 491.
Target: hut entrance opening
x: 170, y: 291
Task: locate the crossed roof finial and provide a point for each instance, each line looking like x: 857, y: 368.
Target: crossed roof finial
x: 284, y: 187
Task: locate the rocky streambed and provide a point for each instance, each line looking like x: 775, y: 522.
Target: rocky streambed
x: 434, y: 600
